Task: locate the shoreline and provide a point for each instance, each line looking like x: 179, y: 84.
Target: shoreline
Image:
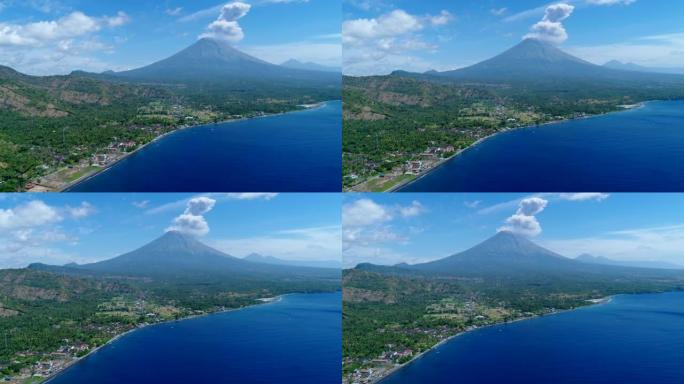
x: 304, y: 108
x: 594, y: 302
x: 625, y: 108
x: 260, y: 302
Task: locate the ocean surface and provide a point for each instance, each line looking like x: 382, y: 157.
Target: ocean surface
x: 295, y: 340
x: 635, y: 150
x: 292, y: 152
x: 634, y: 339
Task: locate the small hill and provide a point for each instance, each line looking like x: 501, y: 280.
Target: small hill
x: 257, y: 258
x: 590, y: 259
x: 309, y: 66
x: 614, y: 64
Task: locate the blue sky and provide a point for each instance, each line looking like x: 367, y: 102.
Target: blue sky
x: 384, y: 35
x: 62, y: 228
x: 405, y: 227
x: 58, y: 36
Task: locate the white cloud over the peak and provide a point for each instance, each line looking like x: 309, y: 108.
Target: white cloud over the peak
x: 192, y: 221
x: 373, y: 43
x: 524, y: 222
x: 550, y: 28
x: 226, y: 26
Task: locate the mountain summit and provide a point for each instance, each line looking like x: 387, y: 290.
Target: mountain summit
x: 529, y: 59
x: 504, y: 252
x: 215, y: 61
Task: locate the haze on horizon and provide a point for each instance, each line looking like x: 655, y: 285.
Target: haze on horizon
x: 379, y: 37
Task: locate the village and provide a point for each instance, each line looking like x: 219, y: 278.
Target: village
x: 461, y: 316
x: 163, y: 119
x: 118, y: 316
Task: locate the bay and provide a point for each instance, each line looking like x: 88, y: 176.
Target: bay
x: 638, y: 150
x: 292, y: 152
x: 294, y: 340
x: 633, y: 339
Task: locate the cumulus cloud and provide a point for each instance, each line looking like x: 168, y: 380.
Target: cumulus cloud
x: 31, y: 214
x: 226, y: 26
x: 81, y: 211
x: 367, y: 228
x: 42, y: 32
x: 524, y: 222
x: 29, y: 230
x: 550, y: 28
x: 192, y: 221
x: 364, y: 212
x: 388, y: 37
x: 57, y: 46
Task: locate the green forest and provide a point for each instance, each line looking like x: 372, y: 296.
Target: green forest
x: 48, y: 123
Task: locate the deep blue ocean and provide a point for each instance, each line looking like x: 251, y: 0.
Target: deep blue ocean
x: 296, y: 340
x: 293, y: 152
x: 634, y: 339
x: 636, y: 150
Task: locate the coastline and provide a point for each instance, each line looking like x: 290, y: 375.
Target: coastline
x: 303, y: 108
x: 396, y: 368
x: 260, y: 302
x: 397, y: 187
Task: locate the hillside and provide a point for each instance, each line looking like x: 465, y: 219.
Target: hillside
x: 215, y: 62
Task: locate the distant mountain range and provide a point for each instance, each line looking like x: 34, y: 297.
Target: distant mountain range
x: 257, y: 258
x: 614, y: 64
x: 175, y: 255
x: 211, y: 61
x: 586, y: 258
x: 309, y: 66
x: 534, y: 61
x: 509, y: 255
